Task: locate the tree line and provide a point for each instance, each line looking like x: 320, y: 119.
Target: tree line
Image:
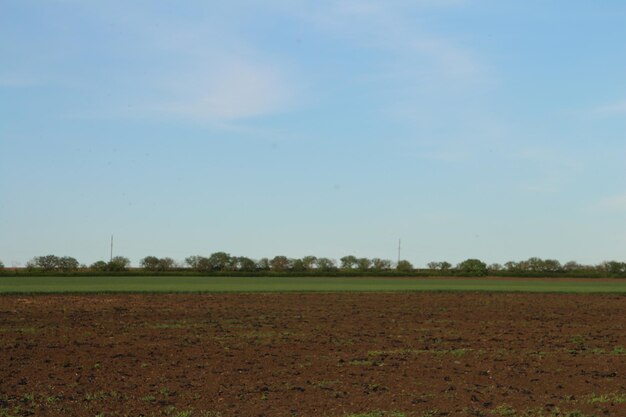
x: 224, y: 263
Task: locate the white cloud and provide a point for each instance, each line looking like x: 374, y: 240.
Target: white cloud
x: 237, y: 90
x: 7, y: 80
x: 612, y: 109
x: 613, y: 203
x: 207, y: 71
x: 388, y: 26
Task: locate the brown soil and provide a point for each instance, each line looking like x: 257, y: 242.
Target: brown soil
x: 340, y: 354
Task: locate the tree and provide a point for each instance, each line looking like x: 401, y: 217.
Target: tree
x: 614, y: 267
x: 472, y: 267
x: 68, y: 264
x: 245, y: 264
x: 204, y: 264
x: 199, y: 263
x: 47, y: 263
x: 263, y: 264
x: 150, y: 263
x: 433, y: 265
x: 445, y: 266
x: 193, y: 261
x: 1, y: 265
x: 511, y: 266
x: 99, y: 266
x: 221, y: 261
x: 495, y: 267
x: 165, y: 264
x: 551, y: 265
x: 440, y: 266
x: 297, y: 265
x: 572, y: 266
x: 118, y: 264
x: 349, y: 262
x: 404, y: 266
x: 309, y: 262
x: 325, y: 264
x: 363, y: 264
x: 279, y: 263
x: 380, y: 264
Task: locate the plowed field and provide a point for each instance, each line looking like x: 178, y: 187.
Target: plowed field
x: 334, y: 354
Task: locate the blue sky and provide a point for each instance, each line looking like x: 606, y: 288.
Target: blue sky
x: 483, y: 129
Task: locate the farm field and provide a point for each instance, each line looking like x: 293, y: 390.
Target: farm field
x: 168, y: 284
x: 313, y: 354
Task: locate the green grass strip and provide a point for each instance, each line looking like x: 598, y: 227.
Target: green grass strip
x: 164, y: 284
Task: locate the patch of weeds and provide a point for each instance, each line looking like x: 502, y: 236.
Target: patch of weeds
x: 430, y: 413
x: 619, y: 350
x: 51, y: 399
x: 93, y: 396
x: 172, y: 411
x: 8, y: 412
x: 469, y: 411
x: 269, y: 334
x: 577, y: 339
x: 556, y: 412
x: 148, y: 398
x: 364, y: 362
x: 30, y: 330
x: 167, y: 326
x: 169, y: 410
x: 453, y: 352
x: 378, y: 414
x: 393, y: 352
x: 211, y: 414
x: 327, y: 384
x: 613, y: 398
x: 176, y: 325
x: 28, y: 398
x: 598, y: 351
x: 533, y: 412
x: 504, y: 410
x: 165, y: 391
x: 375, y: 388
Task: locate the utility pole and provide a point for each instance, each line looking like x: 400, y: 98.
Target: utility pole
x: 399, y: 248
x: 111, y: 258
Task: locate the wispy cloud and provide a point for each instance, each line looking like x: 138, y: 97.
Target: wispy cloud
x: 389, y: 27
x: 233, y: 90
x: 613, y: 203
x: 14, y: 81
x: 617, y: 108
x: 209, y: 70
x: 199, y: 70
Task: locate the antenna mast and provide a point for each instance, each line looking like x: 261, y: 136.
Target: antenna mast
x: 111, y: 258
x: 399, y: 248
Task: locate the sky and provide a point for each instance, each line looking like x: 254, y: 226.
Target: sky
x: 468, y: 129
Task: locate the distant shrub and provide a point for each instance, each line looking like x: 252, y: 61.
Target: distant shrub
x: 472, y: 267
x: 404, y: 266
